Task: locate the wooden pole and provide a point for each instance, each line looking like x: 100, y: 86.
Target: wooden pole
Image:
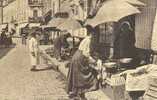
x: 73, y: 42
x: 1, y: 11
x: 59, y: 5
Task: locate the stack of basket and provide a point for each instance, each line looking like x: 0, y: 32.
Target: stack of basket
x: 151, y: 92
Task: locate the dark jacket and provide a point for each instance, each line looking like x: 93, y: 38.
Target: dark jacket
x: 60, y: 42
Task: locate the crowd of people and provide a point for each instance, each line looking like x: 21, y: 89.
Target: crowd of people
x: 6, y: 38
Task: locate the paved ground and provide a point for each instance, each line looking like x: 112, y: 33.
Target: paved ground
x: 17, y: 82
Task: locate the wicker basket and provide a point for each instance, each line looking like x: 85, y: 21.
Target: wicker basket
x: 151, y: 92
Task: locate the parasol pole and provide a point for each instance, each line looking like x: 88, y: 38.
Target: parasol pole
x: 1, y: 8
x: 58, y: 33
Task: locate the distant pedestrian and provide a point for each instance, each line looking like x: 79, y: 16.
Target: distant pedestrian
x: 10, y: 41
x: 24, y: 37
x: 33, y: 47
x: 3, y: 38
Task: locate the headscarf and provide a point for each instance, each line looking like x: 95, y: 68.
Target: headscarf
x: 85, y: 46
x: 126, y: 25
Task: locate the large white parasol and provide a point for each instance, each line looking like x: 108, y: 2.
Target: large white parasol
x: 112, y: 11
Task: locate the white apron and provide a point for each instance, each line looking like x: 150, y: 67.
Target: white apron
x: 33, y: 47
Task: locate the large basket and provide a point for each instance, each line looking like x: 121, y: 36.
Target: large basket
x: 151, y: 92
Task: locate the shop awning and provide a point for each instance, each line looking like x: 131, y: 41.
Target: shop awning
x: 34, y: 25
x: 22, y: 25
x: 3, y: 26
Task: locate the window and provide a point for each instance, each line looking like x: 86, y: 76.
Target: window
x: 106, y: 33
x: 35, y: 13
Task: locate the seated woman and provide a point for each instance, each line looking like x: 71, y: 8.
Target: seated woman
x: 81, y: 76
x: 59, y: 43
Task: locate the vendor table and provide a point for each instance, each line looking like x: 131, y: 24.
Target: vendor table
x: 47, y: 59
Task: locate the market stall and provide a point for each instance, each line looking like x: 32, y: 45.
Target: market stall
x: 111, y: 69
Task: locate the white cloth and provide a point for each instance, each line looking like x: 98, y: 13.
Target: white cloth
x: 85, y: 46
x: 154, y: 35
x: 140, y: 82
x: 33, y: 47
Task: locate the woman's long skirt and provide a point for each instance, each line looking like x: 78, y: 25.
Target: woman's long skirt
x: 81, y: 77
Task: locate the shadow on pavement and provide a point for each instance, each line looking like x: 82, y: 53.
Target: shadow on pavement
x: 5, y: 50
x: 44, y: 69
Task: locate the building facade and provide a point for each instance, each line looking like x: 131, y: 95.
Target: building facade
x: 62, y: 6
x: 22, y: 12
x: 144, y: 24
x: 52, y: 5
x: 50, y: 8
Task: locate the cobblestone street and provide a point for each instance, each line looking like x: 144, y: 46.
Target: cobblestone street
x: 17, y: 82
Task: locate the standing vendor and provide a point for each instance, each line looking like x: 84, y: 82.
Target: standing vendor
x: 33, y: 47
x: 59, y: 43
x: 10, y: 41
x: 81, y: 76
x: 124, y: 42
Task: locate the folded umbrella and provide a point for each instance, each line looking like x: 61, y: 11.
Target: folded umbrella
x: 112, y: 11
